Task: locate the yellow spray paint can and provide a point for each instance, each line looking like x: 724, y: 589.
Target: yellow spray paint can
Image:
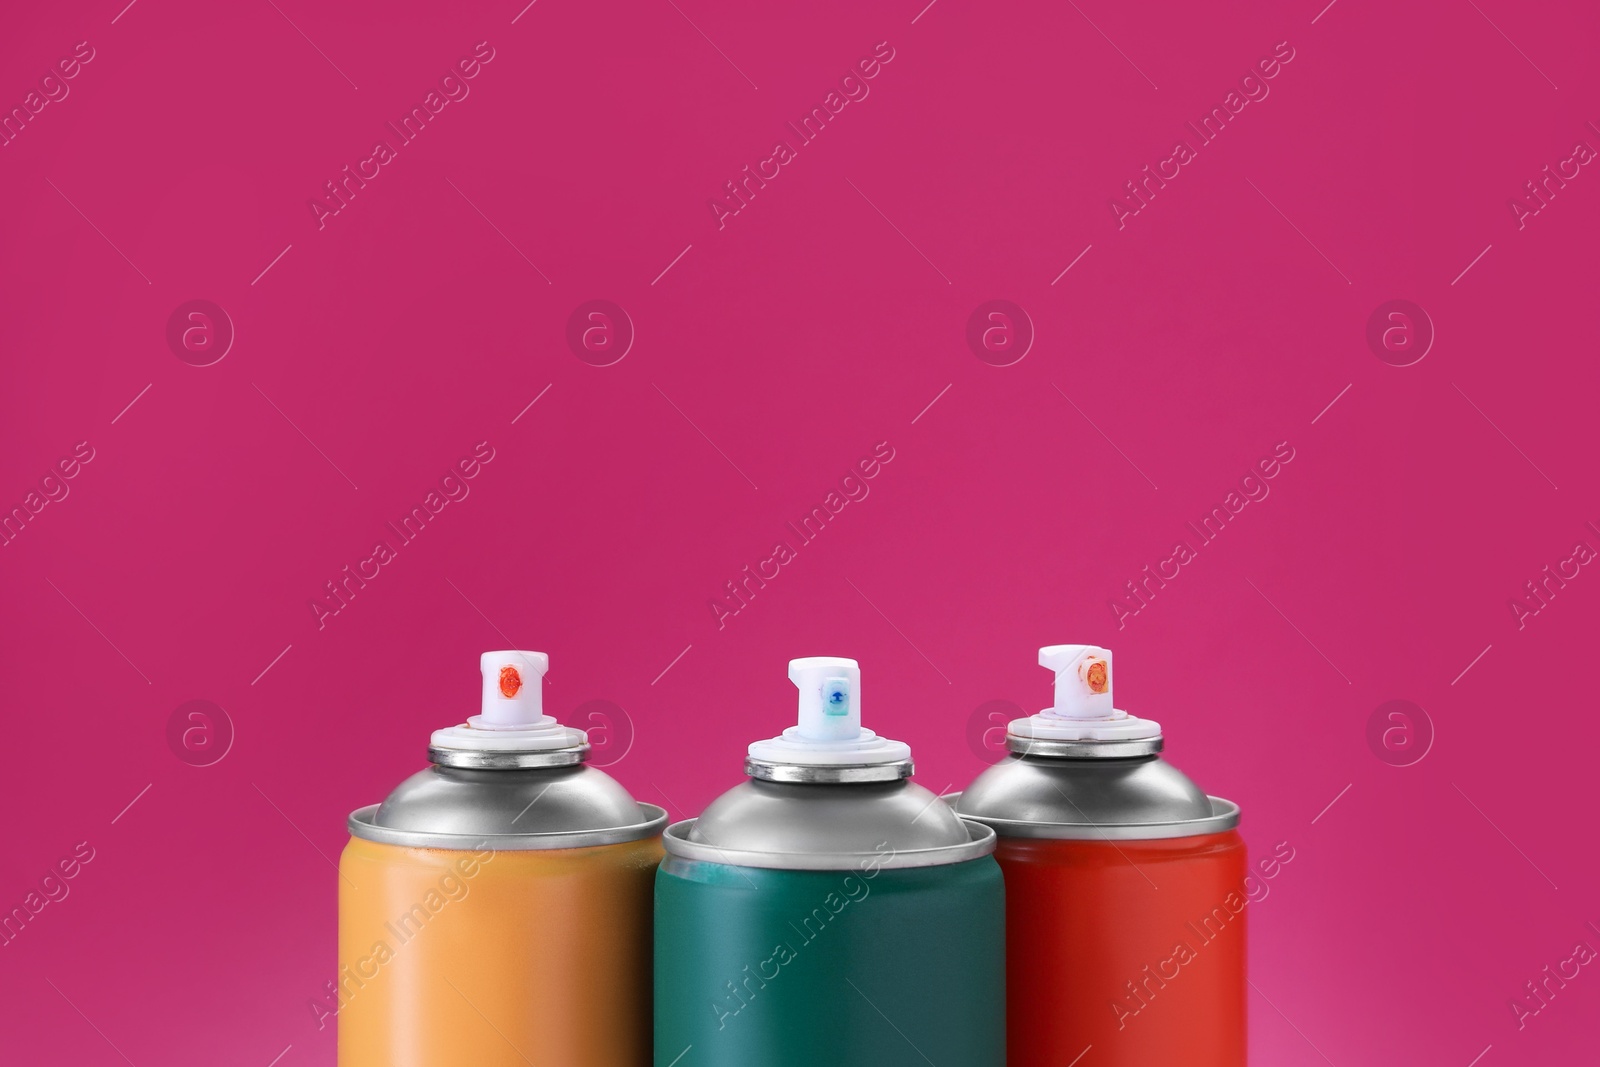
x: 495, y: 910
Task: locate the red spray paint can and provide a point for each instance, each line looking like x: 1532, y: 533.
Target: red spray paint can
x: 1125, y: 887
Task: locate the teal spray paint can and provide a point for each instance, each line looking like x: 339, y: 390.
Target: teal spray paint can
x: 829, y: 910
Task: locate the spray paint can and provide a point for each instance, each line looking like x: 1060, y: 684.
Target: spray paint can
x: 1125, y: 886
x: 495, y: 909
x: 828, y: 910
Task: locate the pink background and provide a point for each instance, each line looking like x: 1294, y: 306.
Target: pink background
x: 823, y: 318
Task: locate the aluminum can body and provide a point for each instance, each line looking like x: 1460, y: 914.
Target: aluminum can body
x: 1134, y: 948
x: 1125, y: 907
x: 854, y: 967
x: 497, y: 916
x: 495, y: 958
x: 829, y: 910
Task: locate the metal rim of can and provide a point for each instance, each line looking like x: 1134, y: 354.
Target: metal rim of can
x: 362, y: 826
x: 1224, y: 816
x: 811, y: 774
x: 486, y: 760
x: 981, y: 841
x: 1046, y: 748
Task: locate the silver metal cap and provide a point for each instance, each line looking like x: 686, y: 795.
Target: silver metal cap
x: 816, y: 774
x: 490, y: 760
x: 538, y: 807
x: 805, y: 826
x: 1142, y: 797
x: 1121, y: 748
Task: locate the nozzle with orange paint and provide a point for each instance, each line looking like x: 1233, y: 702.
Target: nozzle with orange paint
x: 511, y: 717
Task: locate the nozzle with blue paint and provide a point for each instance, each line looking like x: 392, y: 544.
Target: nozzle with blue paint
x: 829, y: 731
x: 830, y: 697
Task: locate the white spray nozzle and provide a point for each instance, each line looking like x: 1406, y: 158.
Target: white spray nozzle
x: 1083, y: 680
x: 830, y: 697
x: 511, y: 717
x: 829, y: 731
x: 513, y: 687
x: 1082, y: 710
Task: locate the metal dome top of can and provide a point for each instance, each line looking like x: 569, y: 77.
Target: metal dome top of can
x: 828, y: 794
x: 1084, y: 769
x: 510, y: 777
